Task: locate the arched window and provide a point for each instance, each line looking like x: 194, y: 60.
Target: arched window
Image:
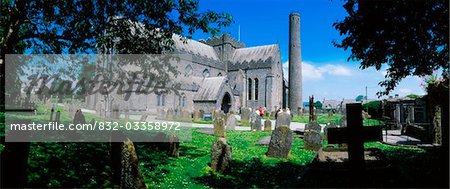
x: 256, y: 88
x: 206, y: 73
x: 182, y: 100
x: 250, y: 88
x: 161, y: 99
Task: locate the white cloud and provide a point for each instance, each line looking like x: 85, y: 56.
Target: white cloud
x: 405, y: 91
x: 311, y: 72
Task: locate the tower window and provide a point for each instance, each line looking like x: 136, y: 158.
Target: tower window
x: 161, y: 100
x: 256, y: 88
x: 250, y: 89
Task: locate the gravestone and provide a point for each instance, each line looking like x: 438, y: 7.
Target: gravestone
x: 174, y: 145
x: 355, y: 134
x: 343, y: 121
x: 219, y: 113
x: 201, y: 113
x: 283, y: 118
x: 313, y: 126
x: 58, y: 117
x: 245, y: 114
x: 196, y: 115
x: 231, y: 122
x: 219, y: 126
x: 365, y: 115
x: 79, y: 118
x: 220, y: 155
x: 256, y: 121
x: 312, y: 140
x: 143, y: 118
x: 312, y: 116
x: 51, y: 114
x: 127, y: 114
x: 125, y: 163
x: 267, y: 125
x: 170, y: 115
x: 116, y: 112
x: 280, y: 142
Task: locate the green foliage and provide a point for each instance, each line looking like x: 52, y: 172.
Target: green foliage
x: 409, y: 37
x: 413, y: 96
x: 318, y: 105
x: 373, y: 108
x: 321, y: 118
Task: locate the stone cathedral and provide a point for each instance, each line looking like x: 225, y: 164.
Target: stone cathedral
x: 225, y: 74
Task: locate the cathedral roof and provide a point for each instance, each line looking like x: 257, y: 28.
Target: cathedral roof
x: 255, y: 54
x: 209, y: 89
x: 193, y: 47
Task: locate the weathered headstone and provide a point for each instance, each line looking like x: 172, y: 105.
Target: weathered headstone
x: 343, y: 121
x: 125, y: 164
x: 58, y: 117
x: 220, y: 155
x: 51, y: 114
x: 219, y: 113
x: 256, y: 121
x: 196, y: 115
x: 143, y: 117
x: 174, y: 145
x: 280, y: 142
x: 312, y: 116
x: 365, y: 115
x: 79, y: 118
x: 312, y: 140
x: 231, y: 122
x: 170, y: 115
x: 245, y: 114
x: 219, y: 126
x: 313, y: 126
x: 267, y: 125
x: 283, y: 118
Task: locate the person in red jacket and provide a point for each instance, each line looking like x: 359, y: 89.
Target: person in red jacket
x: 261, y: 111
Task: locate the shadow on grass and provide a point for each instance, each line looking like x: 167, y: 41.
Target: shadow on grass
x: 255, y: 173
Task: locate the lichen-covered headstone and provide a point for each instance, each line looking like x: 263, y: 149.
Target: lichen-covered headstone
x: 231, y: 122
x: 283, y: 118
x: 256, y: 121
x: 280, y: 142
x: 312, y: 140
x: 267, y: 125
x: 125, y: 164
x: 174, y: 145
x: 313, y: 126
x: 219, y: 126
x: 220, y: 155
x: 245, y: 114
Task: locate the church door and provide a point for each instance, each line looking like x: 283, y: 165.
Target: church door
x: 226, y: 103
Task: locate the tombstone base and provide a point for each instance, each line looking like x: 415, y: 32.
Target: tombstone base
x: 334, y: 159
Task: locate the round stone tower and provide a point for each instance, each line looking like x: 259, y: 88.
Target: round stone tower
x: 295, y: 64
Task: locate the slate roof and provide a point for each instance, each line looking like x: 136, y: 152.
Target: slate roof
x: 209, y: 89
x: 194, y: 47
x: 255, y: 54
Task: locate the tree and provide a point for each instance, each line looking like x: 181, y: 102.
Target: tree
x: 409, y: 37
x: 74, y: 26
x: 318, y: 105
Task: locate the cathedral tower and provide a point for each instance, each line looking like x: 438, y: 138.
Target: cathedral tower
x: 295, y: 64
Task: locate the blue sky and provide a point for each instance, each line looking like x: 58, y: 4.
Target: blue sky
x: 326, y: 71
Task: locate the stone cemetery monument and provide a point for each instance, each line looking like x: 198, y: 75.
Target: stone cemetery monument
x: 79, y: 118
x: 231, y: 122
x: 174, y: 145
x: 196, y: 115
x: 267, y: 125
x: 170, y: 115
x: 283, y: 118
x: 58, y: 117
x: 245, y: 114
x: 256, y: 121
x: 312, y: 140
x: 313, y: 126
x: 325, y: 130
x: 219, y: 125
x: 312, y: 115
x: 280, y: 142
x: 125, y: 163
x: 220, y: 155
x: 355, y: 134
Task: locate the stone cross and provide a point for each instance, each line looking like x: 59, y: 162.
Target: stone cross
x: 355, y: 134
x: 312, y: 117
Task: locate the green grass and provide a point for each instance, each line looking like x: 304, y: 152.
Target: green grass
x: 321, y: 118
